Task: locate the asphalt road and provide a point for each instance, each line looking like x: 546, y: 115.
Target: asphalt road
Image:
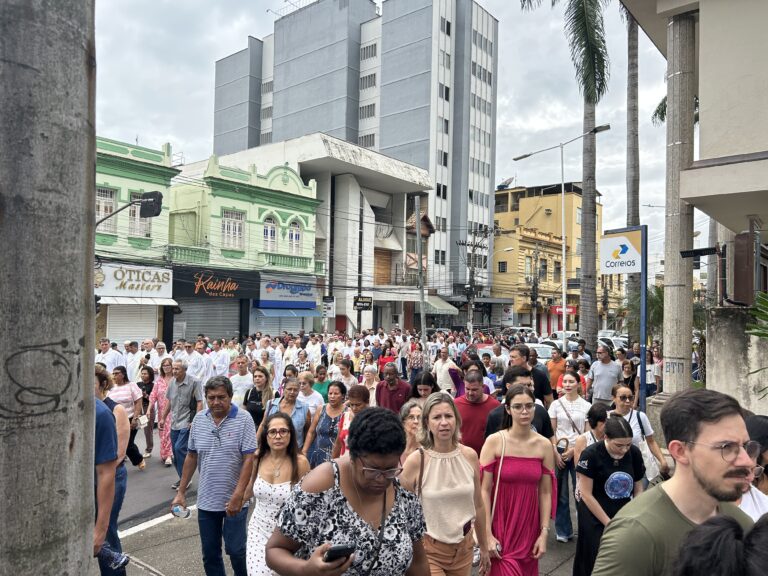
x: 149, y: 492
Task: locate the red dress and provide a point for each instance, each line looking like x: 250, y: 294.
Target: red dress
x: 516, y: 523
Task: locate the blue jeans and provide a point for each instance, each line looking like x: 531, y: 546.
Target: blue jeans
x: 215, y: 525
x: 121, y: 483
x: 563, y: 525
x: 179, y: 441
x: 414, y: 374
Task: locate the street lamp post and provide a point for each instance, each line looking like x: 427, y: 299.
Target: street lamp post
x: 562, y: 145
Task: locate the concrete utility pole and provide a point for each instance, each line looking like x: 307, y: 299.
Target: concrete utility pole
x: 422, y: 303
x: 712, y: 276
x: 678, y: 272
x: 47, y: 216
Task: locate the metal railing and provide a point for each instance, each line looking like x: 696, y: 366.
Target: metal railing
x: 188, y: 254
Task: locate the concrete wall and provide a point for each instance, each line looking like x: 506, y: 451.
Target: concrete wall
x: 733, y: 77
x: 732, y: 355
x: 237, y: 100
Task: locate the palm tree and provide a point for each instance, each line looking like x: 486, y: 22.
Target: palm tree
x: 633, y: 156
x: 586, y: 38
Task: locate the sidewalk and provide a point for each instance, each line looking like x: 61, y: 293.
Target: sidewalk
x: 172, y: 548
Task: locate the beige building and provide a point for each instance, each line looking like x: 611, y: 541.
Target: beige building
x: 716, y: 50
x: 528, y: 264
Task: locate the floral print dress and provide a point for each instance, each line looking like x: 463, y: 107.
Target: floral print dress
x: 313, y: 519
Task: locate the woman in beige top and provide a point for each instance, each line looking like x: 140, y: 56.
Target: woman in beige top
x: 446, y: 471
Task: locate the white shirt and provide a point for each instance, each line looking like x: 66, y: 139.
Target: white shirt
x: 220, y: 361
x: 634, y: 417
x: 196, y: 366
x: 111, y: 358
x: 314, y: 352
x: 132, y: 365
x: 157, y: 359
x: 578, y: 411
x: 240, y: 385
x: 314, y: 401
x: 442, y: 375
x: 347, y: 351
x: 290, y: 355
x: 754, y: 503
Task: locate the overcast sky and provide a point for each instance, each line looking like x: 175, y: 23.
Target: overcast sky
x: 155, y: 82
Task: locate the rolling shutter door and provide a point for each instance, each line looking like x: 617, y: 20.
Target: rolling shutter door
x: 217, y: 318
x: 131, y: 322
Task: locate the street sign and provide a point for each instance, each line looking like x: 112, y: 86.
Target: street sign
x: 329, y: 307
x: 621, y: 252
x: 698, y: 252
x: 363, y: 302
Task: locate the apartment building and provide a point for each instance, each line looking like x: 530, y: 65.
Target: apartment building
x: 415, y: 80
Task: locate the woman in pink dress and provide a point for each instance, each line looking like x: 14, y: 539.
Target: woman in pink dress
x: 518, y: 489
x: 157, y: 398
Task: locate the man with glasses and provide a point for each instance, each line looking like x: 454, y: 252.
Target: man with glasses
x: 603, y: 376
x: 714, y: 457
x: 222, y: 443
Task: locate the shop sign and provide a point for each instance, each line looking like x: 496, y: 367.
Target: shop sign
x: 507, y: 312
x: 568, y: 310
x: 288, y: 292
x: 363, y: 302
x: 621, y: 253
x: 213, y: 283
x: 115, y: 279
x: 329, y: 307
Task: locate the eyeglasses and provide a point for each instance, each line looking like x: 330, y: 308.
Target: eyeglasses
x: 376, y: 473
x: 275, y: 432
x: 522, y: 407
x: 730, y: 450
x: 627, y: 398
x: 758, y: 471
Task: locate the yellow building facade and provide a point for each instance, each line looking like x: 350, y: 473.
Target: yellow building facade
x: 527, y: 260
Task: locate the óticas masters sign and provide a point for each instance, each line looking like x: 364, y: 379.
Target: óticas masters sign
x: 214, y: 283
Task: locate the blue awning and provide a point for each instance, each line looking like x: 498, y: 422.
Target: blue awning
x: 284, y: 313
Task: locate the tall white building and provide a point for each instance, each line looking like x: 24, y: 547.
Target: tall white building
x: 415, y: 80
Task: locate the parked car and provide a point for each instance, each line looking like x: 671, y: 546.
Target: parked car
x: 607, y: 342
x: 607, y: 334
x: 481, y: 349
x: 552, y: 343
x: 620, y: 343
x: 569, y: 334
x: 544, y: 351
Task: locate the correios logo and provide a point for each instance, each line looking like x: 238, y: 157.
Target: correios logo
x: 621, y: 250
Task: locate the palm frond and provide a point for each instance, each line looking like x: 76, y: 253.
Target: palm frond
x: 659, y: 115
x: 589, y: 52
x: 624, y: 13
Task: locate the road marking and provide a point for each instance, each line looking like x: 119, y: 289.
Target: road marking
x: 146, y: 567
x: 148, y: 524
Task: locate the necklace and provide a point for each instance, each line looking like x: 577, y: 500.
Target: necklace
x: 276, y: 469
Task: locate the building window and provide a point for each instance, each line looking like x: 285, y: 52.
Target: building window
x: 578, y: 215
x: 444, y: 92
x: 441, y: 191
x: 502, y: 267
x: 266, y: 87
x: 578, y: 246
x: 106, y: 203
x: 232, y: 229
x: 442, y: 158
x: 543, y: 269
x: 368, y: 81
x: 294, y: 239
x: 446, y: 125
x: 367, y: 52
x: 557, y: 273
x: 265, y: 138
x: 270, y: 235
x: 367, y: 140
x: 138, y: 227
x: 445, y: 26
x: 367, y: 111
x: 266, y: 113
x: 528, y: 266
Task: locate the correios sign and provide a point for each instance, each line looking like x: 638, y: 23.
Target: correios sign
x: 621, y: 253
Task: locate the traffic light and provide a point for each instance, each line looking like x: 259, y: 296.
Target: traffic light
x: 97, y: 299
x: 151, y: 204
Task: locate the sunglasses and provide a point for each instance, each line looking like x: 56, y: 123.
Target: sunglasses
x: 625, y: 398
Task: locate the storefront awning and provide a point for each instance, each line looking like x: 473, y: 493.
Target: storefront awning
x: 436, y: 305
x: 139, y: 301
x: 285, y: 313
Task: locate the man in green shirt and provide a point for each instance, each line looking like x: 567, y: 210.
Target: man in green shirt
x: 709, y: 442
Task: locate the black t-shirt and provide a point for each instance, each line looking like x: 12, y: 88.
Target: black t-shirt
x: 540, y: 422
x: 613, y: 482
x: 541, y: 386
x: 255, y: 406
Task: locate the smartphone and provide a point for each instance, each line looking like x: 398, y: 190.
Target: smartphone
x: 338, y: 551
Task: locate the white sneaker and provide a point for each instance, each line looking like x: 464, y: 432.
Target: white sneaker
x: 147, y: 455
x: 168, y: 461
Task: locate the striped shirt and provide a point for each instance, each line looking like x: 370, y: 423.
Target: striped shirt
x: 125, y: 395
x: 220, y: 454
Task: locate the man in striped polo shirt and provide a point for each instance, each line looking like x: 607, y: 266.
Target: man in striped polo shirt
x: 222, y: 443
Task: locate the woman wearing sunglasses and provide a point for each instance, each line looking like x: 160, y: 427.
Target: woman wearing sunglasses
x: 356, y: 501
x: 276, y: 469
x: 610, y: 474
x: 624, y: 399
x: 445, y: 471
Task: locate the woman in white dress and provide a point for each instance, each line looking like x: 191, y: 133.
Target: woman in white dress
x: 278, y: 466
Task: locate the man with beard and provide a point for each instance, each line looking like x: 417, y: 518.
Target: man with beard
x: 714, y: 458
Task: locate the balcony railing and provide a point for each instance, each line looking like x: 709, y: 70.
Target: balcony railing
x: 383, y: 230
x: 320, y: 267
x: 188, y: 254
x: 285, y: 260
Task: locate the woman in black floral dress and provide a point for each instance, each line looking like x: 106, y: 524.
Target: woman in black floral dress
x: 357, y: 501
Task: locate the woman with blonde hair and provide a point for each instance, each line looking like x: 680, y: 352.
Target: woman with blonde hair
x: 443, y: 470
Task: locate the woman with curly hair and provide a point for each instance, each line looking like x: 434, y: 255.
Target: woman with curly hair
x: 357, y: 501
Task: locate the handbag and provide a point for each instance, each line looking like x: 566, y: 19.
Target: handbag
x: 498, y: 473
x: 651, y: 465
x: 573, y: 425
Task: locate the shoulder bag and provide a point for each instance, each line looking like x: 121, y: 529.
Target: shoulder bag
x: 498, y: 474
x: 651, y: 465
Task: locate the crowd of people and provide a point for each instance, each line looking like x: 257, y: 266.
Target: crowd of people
x: 375, y: 454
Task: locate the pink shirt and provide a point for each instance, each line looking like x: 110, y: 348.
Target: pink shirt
x: 126, y: 395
